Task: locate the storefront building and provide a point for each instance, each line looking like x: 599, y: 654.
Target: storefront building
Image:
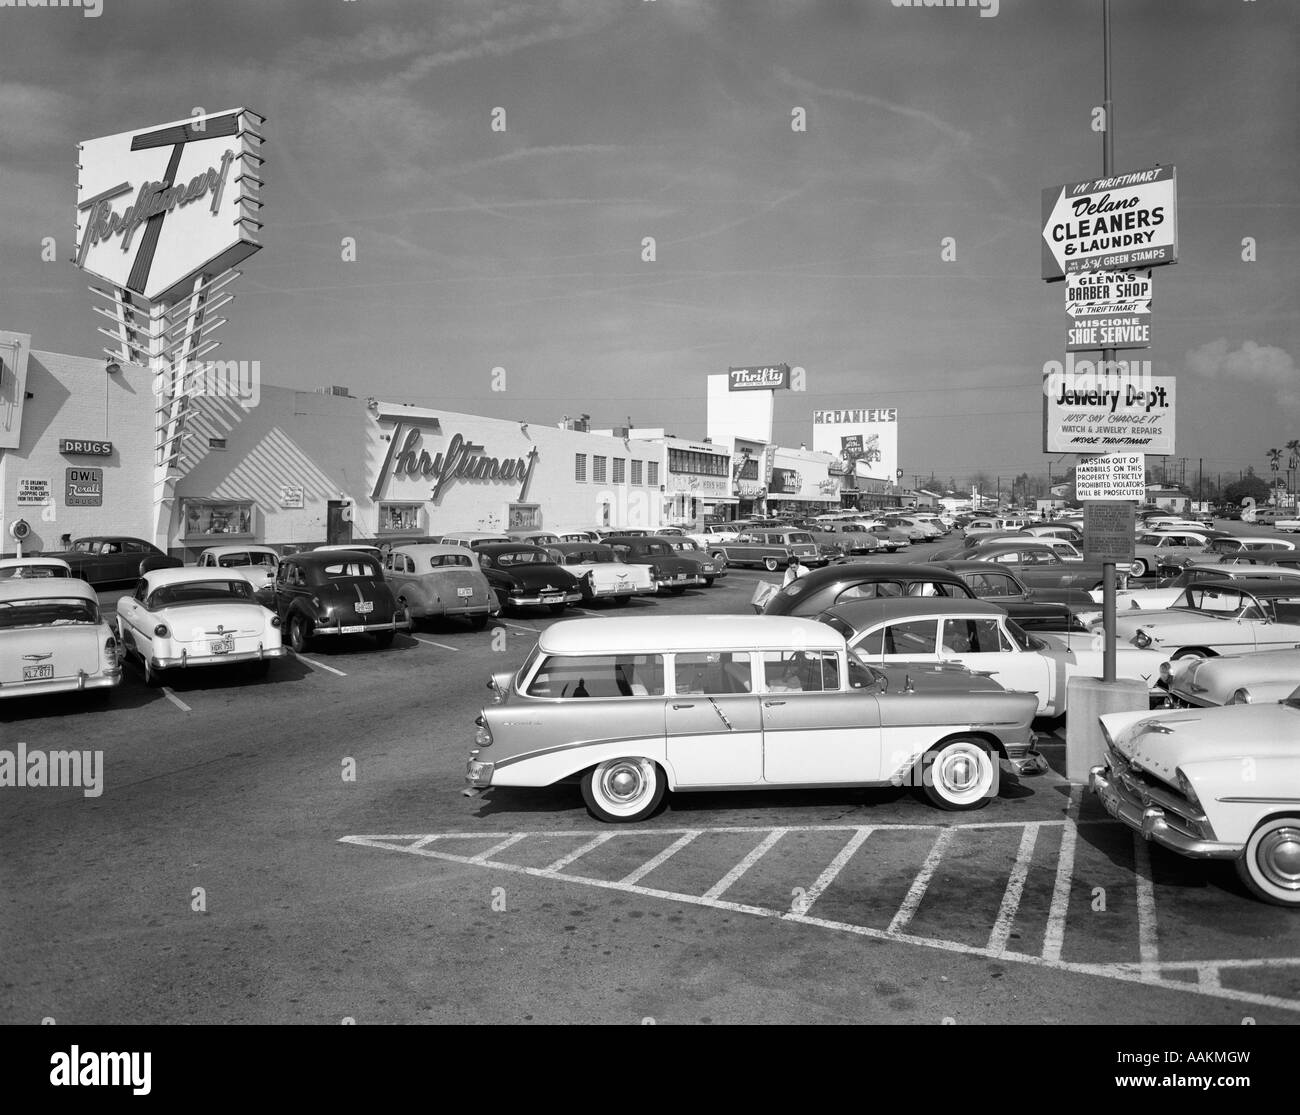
x: 697, y: 482
x: 800, y: 481
x: 76, y: 447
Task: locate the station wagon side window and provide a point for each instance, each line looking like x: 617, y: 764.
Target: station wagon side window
x: 915, y: 636
x: 607, y: 675
x: 968, y: 635
x: 712, y: 673
x: 786, y: 671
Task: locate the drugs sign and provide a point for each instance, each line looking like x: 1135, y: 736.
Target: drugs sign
x: 1117, y: 223
x: 84, y: 487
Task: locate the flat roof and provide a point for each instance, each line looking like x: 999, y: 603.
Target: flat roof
x: 663, y: 634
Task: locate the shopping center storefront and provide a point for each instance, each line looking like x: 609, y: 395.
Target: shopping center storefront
x: 800, y: 481
x: 697, y: 481
x: 76, y: 446
x: 305, y: 467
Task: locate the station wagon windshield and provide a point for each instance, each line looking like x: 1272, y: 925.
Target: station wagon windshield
x: 199, y: 592
x: 47, y: 613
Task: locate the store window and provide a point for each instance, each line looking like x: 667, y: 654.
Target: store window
x: 580, y: 467
x: 401, y: 518
x: 619, y: 466
x: 204, y: 517
x: 598, y: 470
x: 653, y: 468
x: 637, y: 470
x: 525, y: 516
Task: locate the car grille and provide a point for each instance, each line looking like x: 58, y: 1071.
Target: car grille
x: 1187, y: 818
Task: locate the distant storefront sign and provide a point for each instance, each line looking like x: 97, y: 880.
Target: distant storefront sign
x: 33, y: 492
x: 765, y: 377
x: 72, y: 448
x: 1115, y: 223
x: 292, y: 496
x: 1108, y: 309
x: 84, y: 487
x: 785, y: 481
x: 864, y: 438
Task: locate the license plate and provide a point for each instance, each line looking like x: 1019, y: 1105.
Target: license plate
x: 464, y: 592
x: 1110, y: 799
x: 353, y: 629
x: 36, y: 673
x: 221, y: 646
x: 680, y: 577
x: 552, y: 599
x: 364, y: 607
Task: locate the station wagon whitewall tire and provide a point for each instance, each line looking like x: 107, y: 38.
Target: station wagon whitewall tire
x: 623, y: 789
x: 771, y: 564
x: 1270, y: 864
x: 960, y: 774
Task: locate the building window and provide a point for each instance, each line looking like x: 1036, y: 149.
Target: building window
x: 400, y: 518
x: 525, y: 516
x: 653, y: 478
x: 636, y: 471
x: 696, y: 462
x: 216, y: 443
x: 619, y: 466
x: 598, y: 470
x: 580, y: 467
x: 203, y: 517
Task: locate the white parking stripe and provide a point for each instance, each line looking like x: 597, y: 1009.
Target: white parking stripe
x: 650, y: 864
x: 517, y: 626
x: 564, y: 861
x: 722, y: 885
x: 319, y: 665
x: 499, y: 847
x: 175, y: 700
x: 1148, y: 941
x: 430, y: 642
x: 836, y: 865
x: 917, y: 890
x: 1015, y: 888
x: 1054, y: 935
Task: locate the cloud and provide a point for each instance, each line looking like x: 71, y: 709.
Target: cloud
x: 906, y: 111
x: 1266, y: 365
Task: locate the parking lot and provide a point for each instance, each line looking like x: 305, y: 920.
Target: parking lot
x: 299, y: 848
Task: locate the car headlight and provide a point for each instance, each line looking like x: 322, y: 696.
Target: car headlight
x: 1240, y: 697
x: 482, y: 733
x: 1185, y: 785
x: 1142, y: 639
x: 162, y: 631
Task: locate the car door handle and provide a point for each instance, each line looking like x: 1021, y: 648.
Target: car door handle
x: 772, y: 704
x: 683, y: 706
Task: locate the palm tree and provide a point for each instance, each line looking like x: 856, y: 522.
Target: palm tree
x: 1293, y: 447
x: 1274, y: 458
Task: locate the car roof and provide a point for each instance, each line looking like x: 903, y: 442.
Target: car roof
x: 42, y: 588
x: 652, y: 634
x: 324, y: 557
x: 335, y: 547
x: 160, y: 577
x: 218, y: 551
x: 493, y: 548
x: 37, y: 560
x: 877, y: 571
x: 420, y: 550
x: 866, y: 611
x: 579, y: 547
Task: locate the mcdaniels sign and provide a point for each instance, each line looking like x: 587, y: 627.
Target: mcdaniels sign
x: 766, y: 378
x: 461, y: 460
x: 1113, y: 224
x: 160, y: 207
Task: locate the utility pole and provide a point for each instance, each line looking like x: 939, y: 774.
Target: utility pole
x: 1107, y: 355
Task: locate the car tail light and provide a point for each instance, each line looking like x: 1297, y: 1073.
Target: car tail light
x: 110, y: 652
x: 275, y: 621
x: 1240, y: 697
x: 1142, y: 639
x: 162, y: 631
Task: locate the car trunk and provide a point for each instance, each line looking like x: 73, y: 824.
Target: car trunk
x: 451, y: 584
x: 195, y: 626
x: 356, y: 600
x: 54, y: 653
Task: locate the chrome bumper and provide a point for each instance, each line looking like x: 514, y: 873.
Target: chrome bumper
x: 107, y: 679
x: 337, y: 628
x: 187, y: 659
x: 1152, y: 821
x: 537, y: 602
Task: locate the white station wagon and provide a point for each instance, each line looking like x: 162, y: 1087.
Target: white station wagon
x: 630, y: 708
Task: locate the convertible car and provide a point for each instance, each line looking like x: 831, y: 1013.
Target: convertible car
x: 183, y: 618
x: 630, y: 708
x: 53, y: 638
x: 1215, y: 783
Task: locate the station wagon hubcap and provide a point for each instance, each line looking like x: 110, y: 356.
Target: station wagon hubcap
x: 1278, y: 857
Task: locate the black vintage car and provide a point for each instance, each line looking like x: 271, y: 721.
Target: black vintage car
x: 104, y: 559
x: 335, y: 592
x: 525, y: 576
x: 836, y: 584
x: 671, y: 571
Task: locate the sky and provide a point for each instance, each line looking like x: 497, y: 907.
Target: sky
x: 523, y: 249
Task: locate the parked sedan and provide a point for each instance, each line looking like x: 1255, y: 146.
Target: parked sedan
x: 1156, y: 548
x: 524, y: 576
x: 1179, y: 778
x: 1034, y: 609
x: 602, y: 574
x: 1219, y: 619
x: 432, y: 581
x: 335, y: 592
x: 710, y: 566
x: 107, y: 559
x: 854, y: 539
x: 1234, y: 679
x: 672, y: 572
x: 982, y: 637
x: 53, y: 638
x: 183, y: 618
x: 257, y: 563
x: 1039, y: 567
x: 631, y: 708
x: 824, y: 588
x: 1166, y: 596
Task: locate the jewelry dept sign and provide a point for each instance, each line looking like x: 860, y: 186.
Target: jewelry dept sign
x: 1104, y: 408
x: 461, y: 460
